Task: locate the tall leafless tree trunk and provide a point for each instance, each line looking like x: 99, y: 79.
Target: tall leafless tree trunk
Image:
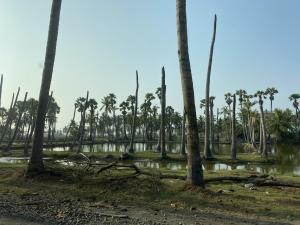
x: 36, y: 160
x: 233, y: 133
x: 194, y: 167
x: 163, y: 116
x: 131, y: 149
x: 207, y: 150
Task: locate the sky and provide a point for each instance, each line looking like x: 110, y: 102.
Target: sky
x: 102, y: 43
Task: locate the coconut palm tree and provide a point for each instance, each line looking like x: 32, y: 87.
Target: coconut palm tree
x: 194, y: 167
x: 271, y: 92
x: 36, y: 160
x: 262, y: 95
x: 242, y: 93
x: 134, y: 120
x: 207, y: 145
x: 32, y: 113
x: 281, y: 124
x: 294, y: 99
x: 92, y: 105
x: 123, y: 107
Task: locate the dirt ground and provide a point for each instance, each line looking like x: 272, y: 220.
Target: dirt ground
x: 39, y: 210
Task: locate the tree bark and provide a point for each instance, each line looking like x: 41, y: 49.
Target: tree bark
x: 183, y: 137
x: 36, y: 160
x: 211, y: 127
x: 207, y: 150
x: 264, y: 138
x: 233, y: 133
x: 163, y: 116
x: 131, y: 149
x: 194, y: 167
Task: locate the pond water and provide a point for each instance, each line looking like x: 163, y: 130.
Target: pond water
x: 288, y: 158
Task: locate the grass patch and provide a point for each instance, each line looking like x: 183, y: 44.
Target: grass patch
x: 150, y: 192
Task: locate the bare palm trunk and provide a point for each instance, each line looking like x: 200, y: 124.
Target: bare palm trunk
x: 183, y: 138
x: 131, y: 150
x: 264, y: 136
x: 211, y: 127
x: 260, y: 136
x: 207, y: 150
x: 163, y: 116
x: 194, y: 167
x: 36, y: 160
x: 11, y: 141
x: 233, y: 133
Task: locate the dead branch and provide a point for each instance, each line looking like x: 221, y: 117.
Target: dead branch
x: 257, y: 180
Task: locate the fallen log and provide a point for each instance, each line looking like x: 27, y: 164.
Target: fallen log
x: 257, y: 180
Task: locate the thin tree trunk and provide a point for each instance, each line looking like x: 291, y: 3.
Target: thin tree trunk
x: 233, y: 133
x: 17, y: 125
x: 158, y: 148
x: 264, y: 136
x: 163, y: 116
x: 260, y: 136
x: 91, y: 124
x: 11, y: 119
x: 211, y: 127
x: 207, y: 150
x: 69, y: 128
x: 131, y: 149
x: 36, y: 160
x: 81, y: 131
x: 183, y: 137
x: 194, y: 165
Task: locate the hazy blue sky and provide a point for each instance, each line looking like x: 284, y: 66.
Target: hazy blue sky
x: 101, y: 44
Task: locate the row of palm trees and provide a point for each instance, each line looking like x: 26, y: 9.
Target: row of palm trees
x: 190, y: 126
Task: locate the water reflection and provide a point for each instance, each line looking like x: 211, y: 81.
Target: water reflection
x: 287, y: 158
